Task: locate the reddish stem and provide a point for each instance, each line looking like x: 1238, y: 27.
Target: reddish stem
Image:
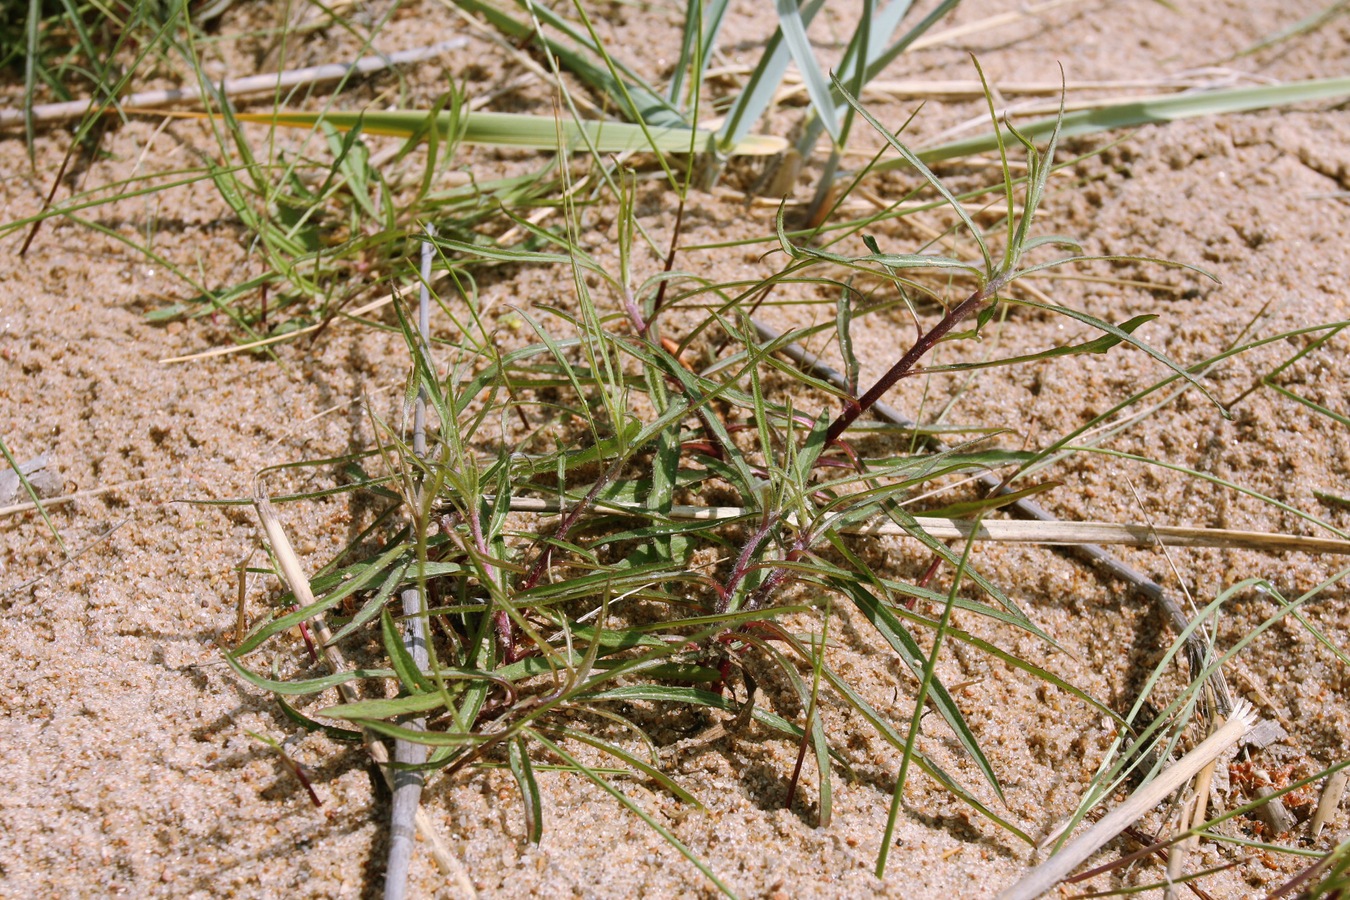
x: 905, y: 365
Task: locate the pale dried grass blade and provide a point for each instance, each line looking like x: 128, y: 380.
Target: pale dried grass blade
x: 991, y: 23
x: 1329, y: 802
x: 276, y: 338
x: 957, y: 89
x: 70, y: 498
x: 1044, y: 877
x: 1132, y: 535
x: 235, y: 88
x: 1015, y: 531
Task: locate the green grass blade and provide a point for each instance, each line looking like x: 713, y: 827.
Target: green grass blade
x: 799, y: 48
x: 879, y: 55
x: 523, y: 770
x: 936, y: 183
x: 764, y: 82
x: 637, y: 810
x: 884, y: 58
x: 579, y: 58
x: 1097, y: 345
x: 1306, y: 25
x: 1304, y: 401
x: 520, y: 130
x: 30, y: 70
x: 699, y: 697
x: 893, y: 631
x: 1121, y: 334
x: 702, y: 23
x: 1149, y: 111
x: 630, y: 759
x: 32, y: 494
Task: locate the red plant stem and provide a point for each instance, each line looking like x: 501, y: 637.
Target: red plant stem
x: 742, y: 567
x: 905, y: 365
x: 541, y: 562
x: 501, y: 620
x: 670, y: 261
x: 778, y: 574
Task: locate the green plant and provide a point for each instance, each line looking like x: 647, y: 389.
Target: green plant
x: 524, y: 665
x: 555, y: 644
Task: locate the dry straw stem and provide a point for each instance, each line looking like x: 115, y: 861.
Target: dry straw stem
x: 990, y: 23
x: 77, y: 495
x: 969, y: 89
x: 1053, y: 532
x: 408, y: 782
x: 1049, y: 873
x: 278, y: 338
x: 1192, y: 814
x: 236, y: 88
x: 294, y: 575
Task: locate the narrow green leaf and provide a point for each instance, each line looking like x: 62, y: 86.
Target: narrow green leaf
x: 637, y: 810
x: 521, y: 130
x: 412, y: 678
x: 368, y: 710
x: 1150, y: 111
x: 968, y: 508
x: 1123, y: 335
x: 518, y: 758
x: 763, y: 83
x: 843, y: 325
x: 808, y: 697
x: 374, y: 604
x: 935, y: 182
x: 1097, y: 345
x: 894, y: 632
x: 799, y: 46
x: 697, y: 696
x: 1304, y: 401
x: 636, y: 762
x: 305, y: 722
x: 366, y: 574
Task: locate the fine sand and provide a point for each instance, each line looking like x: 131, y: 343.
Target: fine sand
x: 128, y: 766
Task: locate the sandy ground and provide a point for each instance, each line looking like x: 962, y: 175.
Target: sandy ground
x: 128, y: 766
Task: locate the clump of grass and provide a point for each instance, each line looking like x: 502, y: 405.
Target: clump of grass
x: 539, y: 630
x: 547, y: 640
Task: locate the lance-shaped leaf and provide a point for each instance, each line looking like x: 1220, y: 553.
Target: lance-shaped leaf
x: 521, y: 130
x: 1144, y: 111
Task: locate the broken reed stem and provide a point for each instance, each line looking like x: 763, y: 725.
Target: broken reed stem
x: 1049, y: 873
x: 408, y: 782
x: 1048, y: 531
x: 234, y: 88
x: 905, y: 365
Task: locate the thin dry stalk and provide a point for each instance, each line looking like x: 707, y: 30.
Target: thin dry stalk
x: 1017, y: 531
x: 1049, y: 873
x: 408, y: 782
x: 236, y: 88
x: 71, y: 498
x: 277, y: 338
x: 990, y: 23
x: 1192, y: 814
